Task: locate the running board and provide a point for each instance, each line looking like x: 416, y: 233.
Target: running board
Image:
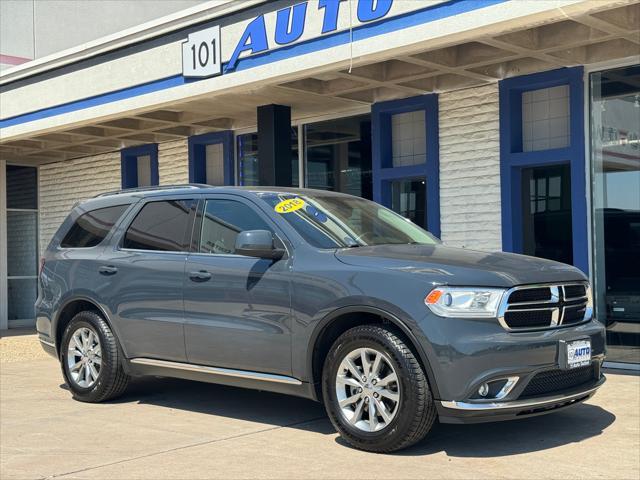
x: 225, y: 372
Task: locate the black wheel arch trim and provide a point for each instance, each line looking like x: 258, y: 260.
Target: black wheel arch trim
x: 385, y: 314
x: 101, y: 310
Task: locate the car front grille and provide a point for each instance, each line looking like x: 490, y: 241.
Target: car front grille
x: 545, y: 306
x: 554, y: 381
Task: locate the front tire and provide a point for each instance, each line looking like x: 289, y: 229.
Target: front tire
x: 375, y: 390
x: 91, y: 360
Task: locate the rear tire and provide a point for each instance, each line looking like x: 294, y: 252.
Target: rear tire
x: 91, y: 360
x: 404, y: 411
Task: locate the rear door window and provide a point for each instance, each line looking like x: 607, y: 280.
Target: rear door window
x: 92, y: 227
x: 162, y: 226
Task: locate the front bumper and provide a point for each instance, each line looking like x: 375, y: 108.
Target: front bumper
x: 467, y: 412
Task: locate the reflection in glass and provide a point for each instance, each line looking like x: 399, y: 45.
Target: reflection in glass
x: 22, y: 243
x: 22, y: 187
x: 615, y: 136
x: 333, y: 221
x: 546, y: 213
x: 22, y: 248
x: 408, y: 198
x: 21, y: 298
x: 339, y: 155
x: 247, y: 145
x: 408, y: 138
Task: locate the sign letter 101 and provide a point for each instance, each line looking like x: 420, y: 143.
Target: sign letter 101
x: 201, y: 53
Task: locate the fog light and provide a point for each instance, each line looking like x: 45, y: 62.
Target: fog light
x: 483, y: 391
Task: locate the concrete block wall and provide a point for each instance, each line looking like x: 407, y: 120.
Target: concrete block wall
x: 470, y: 168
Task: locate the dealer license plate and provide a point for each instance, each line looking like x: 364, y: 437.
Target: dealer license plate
x: 578, y: 353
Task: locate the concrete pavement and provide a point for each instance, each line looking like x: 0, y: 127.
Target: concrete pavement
x: 164, y: 428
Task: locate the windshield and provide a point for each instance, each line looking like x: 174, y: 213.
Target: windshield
x: 332, y: 221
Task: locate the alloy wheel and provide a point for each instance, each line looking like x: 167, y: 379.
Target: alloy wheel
x: 84, y: 357
x: 367, y: 389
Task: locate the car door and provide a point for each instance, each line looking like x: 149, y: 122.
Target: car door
x: 237, y: 308
x: 143, y: 276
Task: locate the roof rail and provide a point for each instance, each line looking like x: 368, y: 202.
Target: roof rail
x: 152, y: 189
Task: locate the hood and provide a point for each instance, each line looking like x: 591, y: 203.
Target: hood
x: 460, y: 266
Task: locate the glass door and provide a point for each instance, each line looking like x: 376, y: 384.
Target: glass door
x: 546, y: 212
x: 409, y: 199
x: 615, y: 147
x: 22, y: 244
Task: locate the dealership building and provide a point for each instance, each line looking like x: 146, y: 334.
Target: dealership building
x: 496, y: 124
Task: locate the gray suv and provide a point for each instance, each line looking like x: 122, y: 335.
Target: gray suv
x: 317, y: 294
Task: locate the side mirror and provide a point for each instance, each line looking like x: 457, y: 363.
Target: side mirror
x: 257, y: 243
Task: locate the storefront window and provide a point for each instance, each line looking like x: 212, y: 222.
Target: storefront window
x: 247, y: 145
x: 546, y: 213
x: 248, y: 159
x: 408, y: 138
x: 409, y: 199
x: 22, y: 244
x: 339, y: 155
x: 615, y: 137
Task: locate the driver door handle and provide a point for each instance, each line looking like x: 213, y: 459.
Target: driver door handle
x: 199, y: 276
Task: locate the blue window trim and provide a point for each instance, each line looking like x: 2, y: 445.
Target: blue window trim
x: 513, y: 159
x: 383, y: 171
x: 197, y: 158
x: 129, y: 164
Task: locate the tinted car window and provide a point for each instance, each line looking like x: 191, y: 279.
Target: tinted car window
x: 92, y: 227
x: 161, y: 226
x: 223, y: 220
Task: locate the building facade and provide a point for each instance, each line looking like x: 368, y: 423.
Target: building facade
x: 496, y: 124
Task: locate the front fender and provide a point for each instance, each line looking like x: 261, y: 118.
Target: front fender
x: 390, y: 312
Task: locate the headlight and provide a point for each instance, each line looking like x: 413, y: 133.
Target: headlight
x: 464, y: 301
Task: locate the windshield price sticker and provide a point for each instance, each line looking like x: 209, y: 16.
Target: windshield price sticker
x: 289, y: 205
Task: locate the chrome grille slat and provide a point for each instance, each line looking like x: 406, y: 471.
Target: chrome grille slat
x: 513, y: 316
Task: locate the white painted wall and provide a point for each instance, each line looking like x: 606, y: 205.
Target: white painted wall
x: 470, y: 214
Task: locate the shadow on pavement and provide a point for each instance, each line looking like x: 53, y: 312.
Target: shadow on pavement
x: 515, y: 437
x: 17, y: 332
x: 480, y: 440
x: 220, y: 400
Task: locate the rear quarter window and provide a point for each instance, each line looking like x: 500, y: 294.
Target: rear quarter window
x: 92, y: 227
